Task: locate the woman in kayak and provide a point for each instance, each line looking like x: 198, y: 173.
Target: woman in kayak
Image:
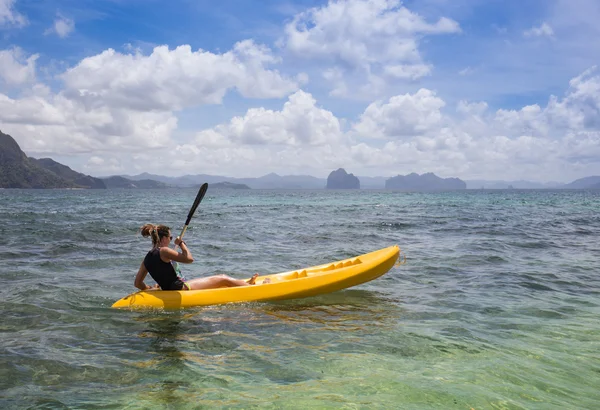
x: 158, y: 263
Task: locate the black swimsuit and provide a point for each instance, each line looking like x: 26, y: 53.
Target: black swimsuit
x: 162, y: 272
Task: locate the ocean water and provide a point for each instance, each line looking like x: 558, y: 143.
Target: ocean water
x: 497, y: 306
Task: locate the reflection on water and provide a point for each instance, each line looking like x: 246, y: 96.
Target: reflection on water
x: 346, y: 310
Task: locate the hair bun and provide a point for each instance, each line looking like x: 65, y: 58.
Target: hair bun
x: 147, y: 230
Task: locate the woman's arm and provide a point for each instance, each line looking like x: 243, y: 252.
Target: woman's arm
x: 139, y: 279
x: 168, y: 254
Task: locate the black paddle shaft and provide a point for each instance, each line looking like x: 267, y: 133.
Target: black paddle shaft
x: 197, y: 201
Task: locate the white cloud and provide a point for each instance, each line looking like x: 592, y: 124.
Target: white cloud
x: 558, y: 141
x: 402, y: 116
x: 300, y: 138
x: 96, y: 161
x: 55, y: 124
x: 16, y: 68
x: 412, y: 72
x: 578, y: 111
x: 10, y: 17
x: 361, y: 31
x: 584, y: 98
x: 175, y: 79
x: 126, y: 102
x: 542, y: 31
x: 582, y: 149
x: 474, y: 108
x: 335, y: 77
x: 122, y: 126
x: 299, y: 123
x: 375, y: 36
x: 103, y: 167
x: 113, y: 101
x: 63, y: 26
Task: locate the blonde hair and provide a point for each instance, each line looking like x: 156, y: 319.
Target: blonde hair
x: 156, y: 232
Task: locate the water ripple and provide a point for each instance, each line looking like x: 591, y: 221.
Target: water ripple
x: 496, y: 307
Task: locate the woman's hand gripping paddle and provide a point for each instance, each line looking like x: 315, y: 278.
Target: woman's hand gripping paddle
x: 199, y: 196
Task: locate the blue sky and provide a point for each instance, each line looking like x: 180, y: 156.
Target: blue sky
x: 466, y: 88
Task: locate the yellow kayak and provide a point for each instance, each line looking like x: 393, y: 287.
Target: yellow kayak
x: 300, y: 283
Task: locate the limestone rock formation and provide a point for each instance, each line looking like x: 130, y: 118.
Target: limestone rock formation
x: 340, y: 179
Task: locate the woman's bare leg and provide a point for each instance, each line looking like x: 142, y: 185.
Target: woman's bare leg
x: 218, y: 281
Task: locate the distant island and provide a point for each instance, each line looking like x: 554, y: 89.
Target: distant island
x: 340, y: 179
x: 17, y: 170
x: 275, y: 181
x: 228, y: 185
x: 425, y: 182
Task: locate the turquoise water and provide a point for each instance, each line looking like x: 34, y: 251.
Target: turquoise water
x: 497, y: 306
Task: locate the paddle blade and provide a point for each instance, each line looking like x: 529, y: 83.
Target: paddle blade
x: 199, y: 197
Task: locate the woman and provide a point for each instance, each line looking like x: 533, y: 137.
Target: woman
x: 158, y: 263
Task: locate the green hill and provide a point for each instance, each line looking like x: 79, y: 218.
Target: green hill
x: 592, y: 182
x: 19, y: 171
x: 67, y: 173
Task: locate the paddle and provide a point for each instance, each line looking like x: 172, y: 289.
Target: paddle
x: 197, y: 201
x: 199, y: 196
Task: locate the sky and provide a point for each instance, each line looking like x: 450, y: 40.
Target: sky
x: 474, y: 89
